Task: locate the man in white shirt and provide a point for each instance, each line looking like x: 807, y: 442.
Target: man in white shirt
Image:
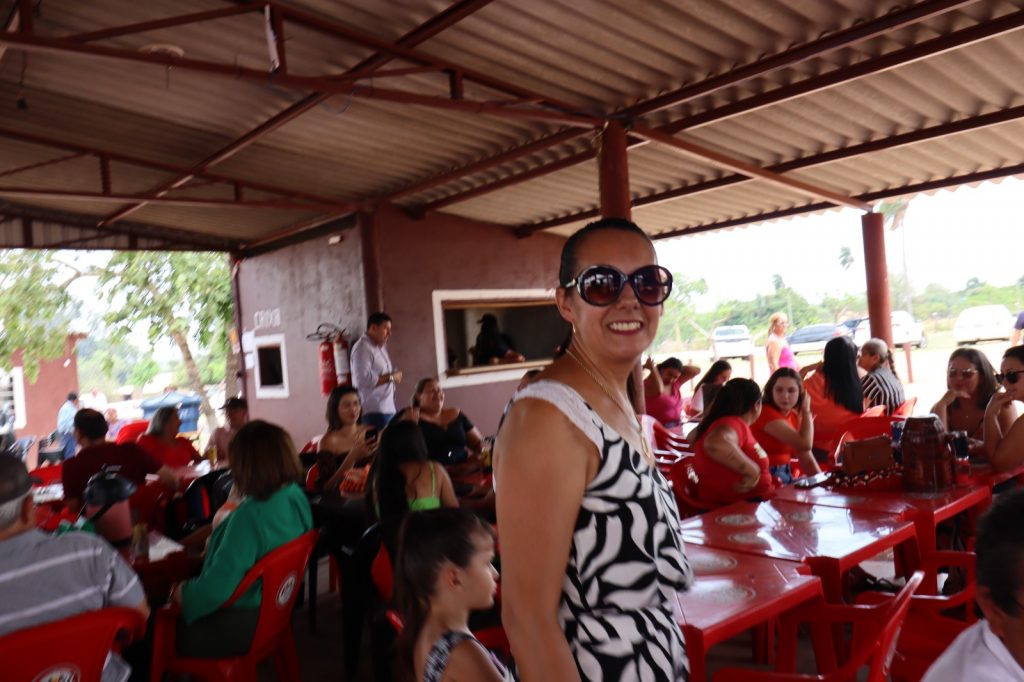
x: 373, y: 374
x: 992, y: 650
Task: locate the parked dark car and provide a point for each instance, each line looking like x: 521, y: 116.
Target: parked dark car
x: 814, y: 337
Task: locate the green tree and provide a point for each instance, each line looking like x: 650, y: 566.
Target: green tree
x: 678, y: 319
x: 35, y: 308
x: 180, y: 296
x: 143, y: 372
x: 845, y: 257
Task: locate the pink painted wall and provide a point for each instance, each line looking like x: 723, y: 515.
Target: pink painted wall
x: 310, y: 282
x: 446, y: 252
x: 313, y: 282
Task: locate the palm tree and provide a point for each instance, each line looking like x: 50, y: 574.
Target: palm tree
x: 845, y: 257
x: 894, y: 212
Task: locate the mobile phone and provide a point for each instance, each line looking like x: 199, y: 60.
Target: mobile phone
x: 807, y: 482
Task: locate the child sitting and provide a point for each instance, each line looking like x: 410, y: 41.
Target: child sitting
x: 444, y: 571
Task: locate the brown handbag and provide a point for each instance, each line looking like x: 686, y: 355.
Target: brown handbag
x: 870, y: 454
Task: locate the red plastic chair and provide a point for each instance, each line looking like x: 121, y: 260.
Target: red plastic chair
x: 684, y: 488
x: 149, y: 504
x: 874, y: 634
x: 48, y: 475
x: 280, y: 573
x: 311, y: 476
x: 876, y: 411
x: 78, y: 645
x: 131, y: 431
x: 906, y: 409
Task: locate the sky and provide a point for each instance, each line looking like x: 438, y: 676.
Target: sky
x: 951, y: 236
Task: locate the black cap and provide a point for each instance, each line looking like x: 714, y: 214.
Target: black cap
x: 14, y: 479
x: 235, y: 404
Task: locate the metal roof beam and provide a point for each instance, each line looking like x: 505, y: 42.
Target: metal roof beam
x: 82, y: 149
x: 206, y: 202
x: 169, y: 22
x: 425, y: 31
x: 41, y: 164
x: 838, y: 40
x: 930, y: 186
x: 922, y: 135
x: 132, y: 230
x: 852, y: 35
x: 935, y: 46
x: 701, y: 152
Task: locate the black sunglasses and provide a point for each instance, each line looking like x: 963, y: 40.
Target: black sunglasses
x: 601, y: 285
x: 1010, y: 376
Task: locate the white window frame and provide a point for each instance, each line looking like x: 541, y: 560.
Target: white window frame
x: 17, y: 375
x: 269, y: 341
x: 439, y: 296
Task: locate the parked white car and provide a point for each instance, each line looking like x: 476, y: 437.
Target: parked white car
x: 983, y: 323
x: 732, y: 341
x: 905, y: 329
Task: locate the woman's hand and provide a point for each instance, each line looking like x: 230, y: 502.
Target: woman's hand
x: 951, y: 395
x: 649, y: 365
x: 805, y: 406
x: 751, y: 477
x: 1000, y: 401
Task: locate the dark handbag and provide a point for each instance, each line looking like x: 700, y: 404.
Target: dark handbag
x: 870, y: 454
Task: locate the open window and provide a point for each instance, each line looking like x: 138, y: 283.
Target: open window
x: 12, y: 397
x: 494, y: 335
x: 271, y: 365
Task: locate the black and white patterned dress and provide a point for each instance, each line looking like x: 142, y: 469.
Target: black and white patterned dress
x: 626, y: 562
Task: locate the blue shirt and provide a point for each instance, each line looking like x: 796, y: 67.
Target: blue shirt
x: 66, y: 417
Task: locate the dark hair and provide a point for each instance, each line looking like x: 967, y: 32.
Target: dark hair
x: 377, y: 318
x: 842, y: 382
x: 783, y: 373
x: 91, y: 424
x: 671, y: 363
x: 158, y: 422
x: 1014, y: 353
x: 339, y: 392
x: 1000, y: 549
x: 717, y: 368
x: 736, y: 398
x: 262, y: 458
x: 986, y: 374
x: 420, y: 385
x: 569, y: 261
x: 72, y: 396
x: 402, y: 441
x: 427, y: 541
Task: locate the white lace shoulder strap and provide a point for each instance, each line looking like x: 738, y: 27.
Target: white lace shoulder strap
x: 570, y: 403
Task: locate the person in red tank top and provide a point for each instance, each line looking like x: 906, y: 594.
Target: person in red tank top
x: 729, y: 463
x: 785, y: 428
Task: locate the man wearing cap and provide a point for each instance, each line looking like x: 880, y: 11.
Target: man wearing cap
x: 373, y: 375
x: 132, y: 461
x: 45, y: 578
x: 236, y: 414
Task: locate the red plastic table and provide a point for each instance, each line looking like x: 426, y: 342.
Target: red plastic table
x: 733, y: 592
x: 830, y: 540
x: 927, y: 510
x: 980, y: 473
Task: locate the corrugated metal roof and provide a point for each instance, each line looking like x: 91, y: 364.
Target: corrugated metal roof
x: 596, y: 57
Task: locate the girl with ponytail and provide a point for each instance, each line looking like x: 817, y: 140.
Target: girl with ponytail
x: 444, y: 571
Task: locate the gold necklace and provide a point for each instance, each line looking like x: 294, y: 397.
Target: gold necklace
x: 645, y: 447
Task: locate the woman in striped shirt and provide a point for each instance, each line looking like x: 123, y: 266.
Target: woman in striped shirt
x: 881, y: 385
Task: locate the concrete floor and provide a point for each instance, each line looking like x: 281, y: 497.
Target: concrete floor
x: 322, y: 657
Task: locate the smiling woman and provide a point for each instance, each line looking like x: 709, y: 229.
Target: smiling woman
x: 571, y: 444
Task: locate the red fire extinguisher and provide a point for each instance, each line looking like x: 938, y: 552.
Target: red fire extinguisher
x: 334, y: 366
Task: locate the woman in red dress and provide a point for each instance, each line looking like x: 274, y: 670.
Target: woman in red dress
x: 162, y: 441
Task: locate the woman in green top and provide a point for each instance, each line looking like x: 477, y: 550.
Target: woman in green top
x: 404, y: 479
x: 274, y: 510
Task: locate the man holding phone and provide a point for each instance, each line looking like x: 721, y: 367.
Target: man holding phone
x: 373, y: 375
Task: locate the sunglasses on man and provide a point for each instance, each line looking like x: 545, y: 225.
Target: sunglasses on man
x: 601, y: 285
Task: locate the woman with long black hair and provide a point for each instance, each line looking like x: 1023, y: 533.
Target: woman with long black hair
x: 837, y: 395
x: 729, y: 463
